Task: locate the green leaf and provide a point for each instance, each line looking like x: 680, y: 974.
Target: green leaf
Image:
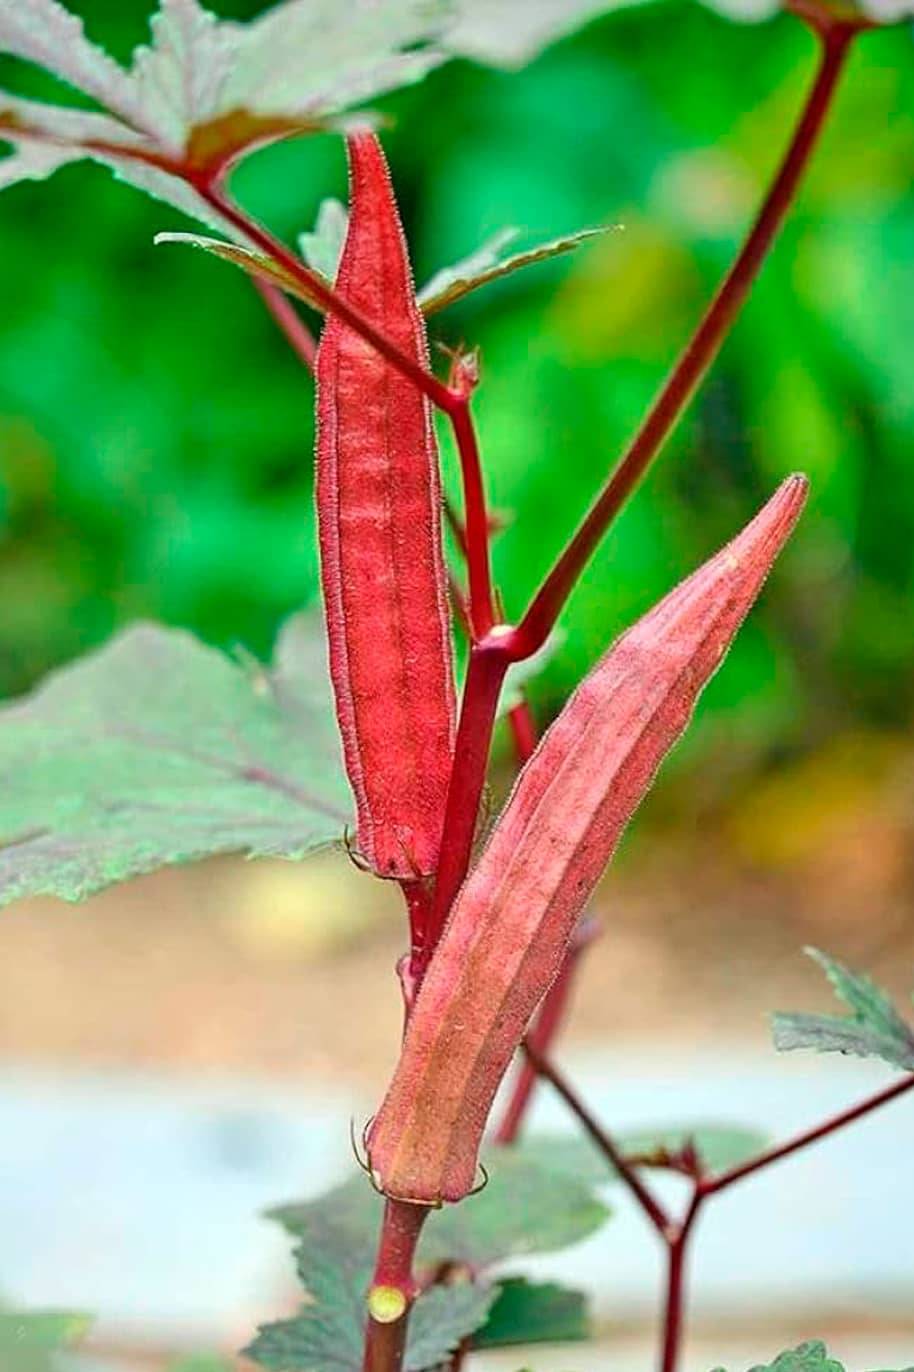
x: 30, y: 1340
x: 527, y: 1206
x: 506, y: 33
x: 534, y: 1312
x: 442, y: 1318
x: 200, y: 1362
x: 256, y: 264
x: 487, y: 264
x: 205, y: 91
x: 509, y: 33
x: 719, y: 1147
x: 159, y: 750
x: 323, y: 247
x: 874, y: 1028
x: 334, y: 1261
x: 806, y: 1357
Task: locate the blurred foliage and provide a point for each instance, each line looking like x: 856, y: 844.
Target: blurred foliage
x: 155, y: 430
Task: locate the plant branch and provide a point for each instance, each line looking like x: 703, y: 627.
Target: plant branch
x: 676, y: 1234
x: 485, y: 674
x: 698, y: 355
x: 393, y: 1288
x: 476, y: 522
x: 706, y: 1187
x: 677, y: 1246
x: 610, y: 1150
x: 287, y: 317
x: 327, y: 298
x: 711, y: 1186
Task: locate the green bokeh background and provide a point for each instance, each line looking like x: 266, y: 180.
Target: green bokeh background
x: 156, y: 432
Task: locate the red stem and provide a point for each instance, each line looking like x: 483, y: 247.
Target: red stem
x: 523, y: 731
x: 328, y: 299
x: 485, y: 675
x: 476, y: 522
x: 676, y: 1234
x: 698, y: 355
x: 610, y: 1150
x: 675, y: 1301
x: 487, y: 671
x: 393, y: 1287
x: 292, y: 325
x: 712, y: 1185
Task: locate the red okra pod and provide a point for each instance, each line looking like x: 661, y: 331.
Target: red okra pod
x: 512, y: 921
x: 382, y: 562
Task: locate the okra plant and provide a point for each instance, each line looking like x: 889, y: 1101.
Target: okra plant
x: 159, y: 750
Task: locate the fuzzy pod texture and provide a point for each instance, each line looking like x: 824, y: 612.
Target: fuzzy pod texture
x: 382, y: 562
x: 512, y: 921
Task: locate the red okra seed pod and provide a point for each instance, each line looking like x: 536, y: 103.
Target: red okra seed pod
x: 382, y: 563
x: 512, y: 921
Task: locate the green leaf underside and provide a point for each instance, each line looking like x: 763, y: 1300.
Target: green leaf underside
x: 534, y: 1312
x: 719, y: 1147
x: 526, y: 1207
x: 487, y: 264
x: 257, y: 265
x: 205, y: 90
x: 321, y: 250
x: 873, y: 1029
x: 806, y: 1357
x: 159, y: 750
x: 31, y: 1341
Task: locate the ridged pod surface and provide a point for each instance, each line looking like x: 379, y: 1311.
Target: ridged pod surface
x: 513, y: 919
x: 382, y: 563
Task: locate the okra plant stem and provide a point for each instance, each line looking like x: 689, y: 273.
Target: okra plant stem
x: 393, y: 1287
x: 675, y: 1234
x: 290, y: 322
x: 506, y: 643
x: 325, y: 296
x: 699, y: 353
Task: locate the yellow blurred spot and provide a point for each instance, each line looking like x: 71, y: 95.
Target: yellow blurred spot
x: 627, y: 296
x: 307, y: 909
x: 386, y: 1304
x: 822, y: 804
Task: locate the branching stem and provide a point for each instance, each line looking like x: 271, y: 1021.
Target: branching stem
x: 676, y: 1234
x: 327, y: 298
x: 698, y: 354
x: 493, y: 653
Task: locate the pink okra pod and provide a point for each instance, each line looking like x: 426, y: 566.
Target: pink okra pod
x: 512, y: 921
